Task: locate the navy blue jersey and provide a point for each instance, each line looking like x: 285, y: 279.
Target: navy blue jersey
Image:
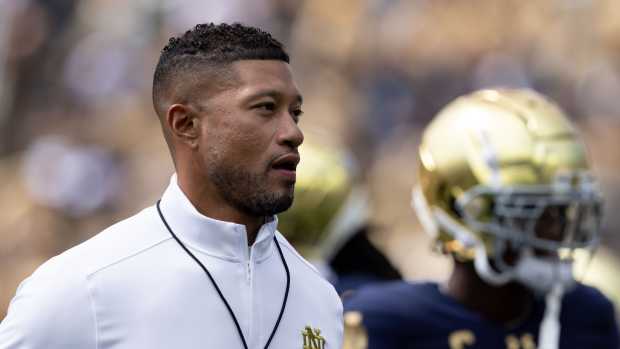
x: 404, y: 315
x: 351, y: 282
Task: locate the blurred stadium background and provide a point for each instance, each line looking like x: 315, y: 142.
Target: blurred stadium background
x: 80, y: 146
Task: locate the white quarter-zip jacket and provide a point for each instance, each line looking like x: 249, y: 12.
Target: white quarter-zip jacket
x: 133, y: 286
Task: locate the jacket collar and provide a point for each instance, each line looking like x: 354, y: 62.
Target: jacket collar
x: 217, y: 238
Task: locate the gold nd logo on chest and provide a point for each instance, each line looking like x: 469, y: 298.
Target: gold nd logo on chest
x: 312, y: 338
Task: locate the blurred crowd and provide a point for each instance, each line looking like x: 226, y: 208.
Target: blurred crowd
x: 80, y: 146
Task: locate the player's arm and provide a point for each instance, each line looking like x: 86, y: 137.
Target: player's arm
x: 51, y: 310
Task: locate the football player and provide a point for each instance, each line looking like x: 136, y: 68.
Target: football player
x: 328, y: 222
x: 504, y: 188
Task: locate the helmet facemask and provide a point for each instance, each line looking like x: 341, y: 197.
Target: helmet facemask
x: 530, y: 233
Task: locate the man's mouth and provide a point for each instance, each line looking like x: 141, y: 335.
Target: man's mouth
x: 286, y: 165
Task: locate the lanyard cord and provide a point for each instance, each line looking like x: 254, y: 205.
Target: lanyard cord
x: 219, y: 292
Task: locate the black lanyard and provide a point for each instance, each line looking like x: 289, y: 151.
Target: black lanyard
x: 219, y: 292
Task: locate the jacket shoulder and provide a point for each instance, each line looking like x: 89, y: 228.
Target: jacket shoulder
x: 122, y: 240
x: 53, y: 307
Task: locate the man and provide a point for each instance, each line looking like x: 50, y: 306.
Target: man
x: 329, y: 223
x: 505, y: 189
x: 205, y: 266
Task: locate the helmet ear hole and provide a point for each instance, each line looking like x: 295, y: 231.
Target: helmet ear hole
x: 479, y: 209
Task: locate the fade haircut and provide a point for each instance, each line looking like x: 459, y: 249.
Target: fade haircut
x: 208, y: 46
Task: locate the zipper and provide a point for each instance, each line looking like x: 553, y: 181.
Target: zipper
x: 250, y: 298
x: 248, y: 268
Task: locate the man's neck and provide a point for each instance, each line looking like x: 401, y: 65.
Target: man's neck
x: 209, y: 203
x: 505, y: 304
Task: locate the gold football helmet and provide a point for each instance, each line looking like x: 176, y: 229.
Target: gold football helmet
x: 328, y: 206
x: 504, y: 170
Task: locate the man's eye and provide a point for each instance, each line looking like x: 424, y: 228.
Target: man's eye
x: 297, y: 114
x: 267, y: 106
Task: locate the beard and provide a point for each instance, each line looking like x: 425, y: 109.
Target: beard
x: 248, y: 192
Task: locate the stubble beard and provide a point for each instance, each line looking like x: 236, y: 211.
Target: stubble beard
x: 247, y: 191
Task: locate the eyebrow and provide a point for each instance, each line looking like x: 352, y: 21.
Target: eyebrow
x: 274, y: 94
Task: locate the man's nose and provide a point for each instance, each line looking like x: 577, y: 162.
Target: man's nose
x: 290, y: 133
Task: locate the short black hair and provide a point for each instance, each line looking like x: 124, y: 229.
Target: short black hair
x: 212, y: 45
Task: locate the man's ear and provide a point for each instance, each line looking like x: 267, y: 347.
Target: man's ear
x: 183, y: 123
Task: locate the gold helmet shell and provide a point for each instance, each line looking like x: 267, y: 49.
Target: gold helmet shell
x: 491, y: 162
x: 326, y: 205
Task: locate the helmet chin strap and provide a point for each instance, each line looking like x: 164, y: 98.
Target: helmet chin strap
x: 551, y: 278
x: 549, y: 332
x: 486, y: 271
x: 541, y: 275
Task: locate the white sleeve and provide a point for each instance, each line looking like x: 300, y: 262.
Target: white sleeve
x: 52, y: 309
x: 340, y: 319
